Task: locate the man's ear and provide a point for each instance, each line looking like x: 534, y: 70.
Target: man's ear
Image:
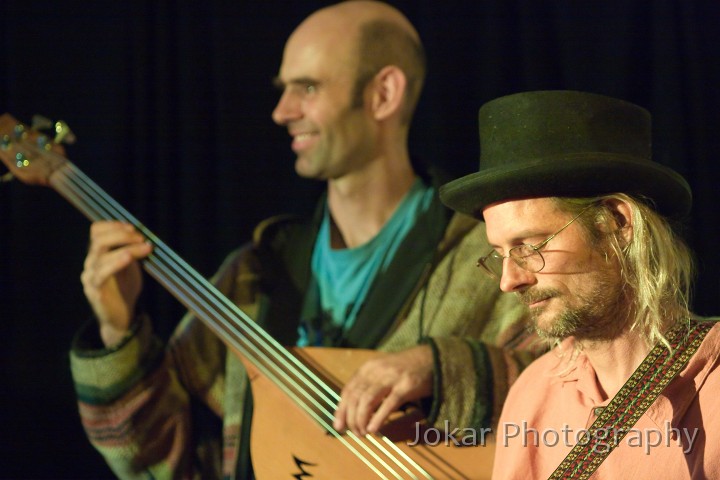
x: 388, y: 92
x: 622, y: 215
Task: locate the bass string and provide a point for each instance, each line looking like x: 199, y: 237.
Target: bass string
x: 191, y: 292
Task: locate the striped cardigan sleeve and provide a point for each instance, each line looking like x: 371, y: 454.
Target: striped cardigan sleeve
x: 132, y: 407
x: 154, y: 410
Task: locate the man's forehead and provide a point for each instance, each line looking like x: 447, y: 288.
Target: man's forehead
x: 316, y: 59
x: 518, y: 218
x: 522, y: 206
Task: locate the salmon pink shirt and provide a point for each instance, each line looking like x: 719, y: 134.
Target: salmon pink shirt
x: 556, y: 399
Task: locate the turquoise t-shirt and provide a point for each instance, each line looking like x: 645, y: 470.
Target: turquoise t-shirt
x: 344, y: 276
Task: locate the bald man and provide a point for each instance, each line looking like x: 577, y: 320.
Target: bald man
x: 382, y: 265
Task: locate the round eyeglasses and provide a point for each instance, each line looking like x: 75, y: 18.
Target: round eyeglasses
x: 527, y: 257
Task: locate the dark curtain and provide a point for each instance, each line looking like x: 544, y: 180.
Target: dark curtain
x: 171, y: 105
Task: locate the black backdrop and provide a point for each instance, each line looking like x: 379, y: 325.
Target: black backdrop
x: 171, y: 105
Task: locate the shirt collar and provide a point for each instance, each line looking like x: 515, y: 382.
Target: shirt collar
x: 574, y: 370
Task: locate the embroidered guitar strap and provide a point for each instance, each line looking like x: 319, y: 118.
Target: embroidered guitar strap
x: 630, y: 403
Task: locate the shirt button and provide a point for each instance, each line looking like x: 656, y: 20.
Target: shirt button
x: 598, y: 410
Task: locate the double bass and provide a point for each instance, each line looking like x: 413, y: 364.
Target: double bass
x: 295, y: 390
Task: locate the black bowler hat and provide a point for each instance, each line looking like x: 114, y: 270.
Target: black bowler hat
x: 565, y: 144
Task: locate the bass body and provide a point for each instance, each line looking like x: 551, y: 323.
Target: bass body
x: 295, y: 391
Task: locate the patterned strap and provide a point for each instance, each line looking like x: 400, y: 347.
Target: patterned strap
x: 631, y: 402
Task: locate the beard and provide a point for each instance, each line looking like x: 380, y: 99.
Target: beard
x: 598, y: 315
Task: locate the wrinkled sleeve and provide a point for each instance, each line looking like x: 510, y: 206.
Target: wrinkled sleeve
x: 153, y: 410
x: 473, y: 373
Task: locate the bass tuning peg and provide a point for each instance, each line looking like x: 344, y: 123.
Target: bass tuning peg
x: 39, y: 122
x: 63, y: 134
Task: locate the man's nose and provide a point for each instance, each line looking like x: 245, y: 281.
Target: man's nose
x: 287, y: 109
x: 515, y: 278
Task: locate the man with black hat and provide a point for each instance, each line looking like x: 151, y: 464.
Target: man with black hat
x: 579, y: 219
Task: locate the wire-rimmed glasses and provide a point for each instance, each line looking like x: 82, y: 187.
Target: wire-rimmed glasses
x: 527, y: 257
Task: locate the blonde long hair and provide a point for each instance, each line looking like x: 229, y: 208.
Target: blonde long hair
x: 657, y: 266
